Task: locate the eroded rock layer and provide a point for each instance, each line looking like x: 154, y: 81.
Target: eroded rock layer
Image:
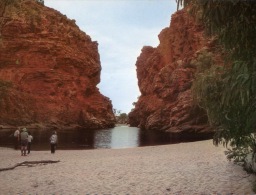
x: 49, y: 70
x: 165, y: 78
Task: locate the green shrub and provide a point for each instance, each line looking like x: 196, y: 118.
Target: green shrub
x: 4, y: 87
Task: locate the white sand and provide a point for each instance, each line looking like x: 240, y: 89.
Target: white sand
x: 186, y: 168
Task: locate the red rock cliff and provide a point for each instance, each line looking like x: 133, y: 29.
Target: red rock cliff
x: 165, y: 76
x: 49, y: 70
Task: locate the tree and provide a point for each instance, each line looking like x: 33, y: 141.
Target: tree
x: 231, y: 108
x: 116, y: 112
x: 122, y: 118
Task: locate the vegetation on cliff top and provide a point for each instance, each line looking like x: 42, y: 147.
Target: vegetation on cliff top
x: 228, y: 93
x: 41, y: 1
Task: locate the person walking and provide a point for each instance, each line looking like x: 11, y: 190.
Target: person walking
x: 30, y: 138
x: 23, y: 141
x: 53, y: 141
x: 16, y: 139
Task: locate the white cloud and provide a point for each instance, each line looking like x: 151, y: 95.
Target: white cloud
x: 122, y: 28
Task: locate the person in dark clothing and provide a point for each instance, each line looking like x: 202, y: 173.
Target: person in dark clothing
x: 23, y: 141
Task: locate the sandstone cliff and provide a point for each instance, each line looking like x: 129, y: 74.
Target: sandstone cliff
x: 165, y: 78
x: 49, y: 70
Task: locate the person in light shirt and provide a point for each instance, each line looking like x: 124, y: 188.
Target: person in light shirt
x: 30, y: 138
x: 53, y: 141
x: 16, y: 139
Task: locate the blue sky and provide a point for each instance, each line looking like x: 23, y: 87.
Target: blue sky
x: 122, y: 28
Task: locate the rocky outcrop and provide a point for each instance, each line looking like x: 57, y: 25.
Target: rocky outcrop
x: 49, y: 70
x: 165, y: 78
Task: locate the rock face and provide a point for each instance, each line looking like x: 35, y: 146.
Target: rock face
x: 165, y: 77
x: 49, y: 70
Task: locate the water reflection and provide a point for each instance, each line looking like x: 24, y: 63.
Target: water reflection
x: 124, y: 137
x: 118, y: 137
x: 102, y: 139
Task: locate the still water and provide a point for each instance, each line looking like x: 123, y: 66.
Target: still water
x: 117, y: 137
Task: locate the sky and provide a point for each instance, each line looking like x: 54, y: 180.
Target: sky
x: 121, y: 28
